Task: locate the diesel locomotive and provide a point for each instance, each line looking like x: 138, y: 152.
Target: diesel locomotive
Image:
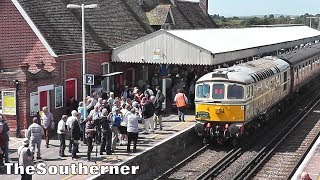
x: 238, y: 99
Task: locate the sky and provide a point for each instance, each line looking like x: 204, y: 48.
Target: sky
x: 229, y: 8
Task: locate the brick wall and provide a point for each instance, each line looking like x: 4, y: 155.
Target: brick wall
x: 20, y: 54
x: 72, y: 66
x: 18, y: 43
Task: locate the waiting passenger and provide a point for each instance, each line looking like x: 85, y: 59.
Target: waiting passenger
x: 133, y: 129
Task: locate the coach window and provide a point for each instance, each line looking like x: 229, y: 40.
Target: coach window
x: 235, y: 92
x: 218, y: 91
x: 203, y: 91
x: 285, y: 81
x: 248, y: 92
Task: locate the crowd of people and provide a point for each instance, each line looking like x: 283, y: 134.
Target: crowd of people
x: 107, y: 122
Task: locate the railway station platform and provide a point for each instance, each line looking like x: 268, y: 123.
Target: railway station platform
x: 311, y: 163
x: 172, y: 128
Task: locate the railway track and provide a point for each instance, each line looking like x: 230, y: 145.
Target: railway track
x: 236, y: 162
x: 226, y: 164
x: 281, y: 157
x: 194, y: 164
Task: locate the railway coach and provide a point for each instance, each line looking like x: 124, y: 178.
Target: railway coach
x: 238, y: 99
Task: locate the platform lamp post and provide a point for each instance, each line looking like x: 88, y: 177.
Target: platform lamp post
x: 16, y: 84
x: 82, y: 7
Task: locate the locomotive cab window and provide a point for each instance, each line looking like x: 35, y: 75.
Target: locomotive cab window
x: 218, y: 91
x: 203, y: 91
x: 235, y: 92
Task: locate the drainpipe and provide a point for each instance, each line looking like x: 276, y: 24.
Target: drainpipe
x: 16, y: 83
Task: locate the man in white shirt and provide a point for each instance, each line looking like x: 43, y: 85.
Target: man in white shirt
x: 47, y: 120
x: 61, y: 130
x: 35, y: 133
x: 69, y: 122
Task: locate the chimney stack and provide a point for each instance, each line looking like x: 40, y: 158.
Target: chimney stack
x: 174, y: 2
x: 204, y: 5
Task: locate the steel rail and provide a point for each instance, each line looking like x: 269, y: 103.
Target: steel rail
x: 222, y: 164
x: 182, y: 163
x: 252, y: 167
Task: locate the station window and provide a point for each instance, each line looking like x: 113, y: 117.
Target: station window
x: 235, y: 92
x: 218, y: 91
x: 203, y: 91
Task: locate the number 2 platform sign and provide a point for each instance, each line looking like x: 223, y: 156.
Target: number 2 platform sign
x: 89, y: 79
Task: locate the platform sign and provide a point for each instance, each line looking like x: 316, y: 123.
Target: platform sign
x: 89, y: 79
x: 9, y: 102
x: 34, y: 103
x: 156, y: 54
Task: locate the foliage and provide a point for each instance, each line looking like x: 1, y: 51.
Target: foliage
x: 239, y: 22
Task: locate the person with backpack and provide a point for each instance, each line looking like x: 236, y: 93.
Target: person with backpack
x: 158, y: 108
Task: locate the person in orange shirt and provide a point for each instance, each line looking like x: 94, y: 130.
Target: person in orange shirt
x: 181, y: 101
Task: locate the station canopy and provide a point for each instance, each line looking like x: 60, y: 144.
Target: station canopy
x: 212, y: 46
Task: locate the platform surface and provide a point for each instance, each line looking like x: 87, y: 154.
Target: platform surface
x: 50, y: 156
x: 311, y: 163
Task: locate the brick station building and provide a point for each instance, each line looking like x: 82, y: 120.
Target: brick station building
x: 40, y: 47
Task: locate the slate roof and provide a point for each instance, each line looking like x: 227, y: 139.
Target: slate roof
x: 114, y: 23
x: 193, y: 15
x: 59, y: 27
x: 158, y: 15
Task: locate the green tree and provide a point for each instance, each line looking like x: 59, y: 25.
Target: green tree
x: 271, y: 16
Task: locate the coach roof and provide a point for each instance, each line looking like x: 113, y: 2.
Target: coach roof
x: 301, y: 54
x: 248, y: 72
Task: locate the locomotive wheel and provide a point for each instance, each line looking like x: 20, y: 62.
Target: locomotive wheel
x: 234, y: 142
